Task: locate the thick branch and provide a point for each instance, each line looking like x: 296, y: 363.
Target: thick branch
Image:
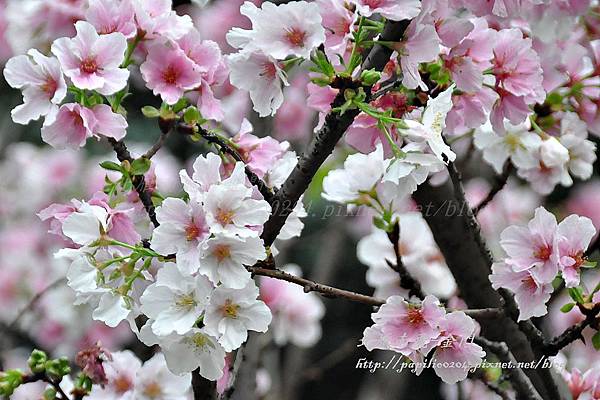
x: 139, y: 182
x: 458, y: 236
x: 519, y: 380
x: 325, y: 140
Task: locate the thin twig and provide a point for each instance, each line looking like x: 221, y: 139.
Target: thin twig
x: 499, y: 183
x: 554, y: 345
x: 519, y: 380
x: 226, y: 148
x: 406, y: 280
x: 139, y: 182
x: 156, y: 146
x: 311, y: 286
x: 34, y: 300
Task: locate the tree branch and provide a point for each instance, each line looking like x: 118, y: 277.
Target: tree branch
x: 139, y: 182
x: 326, y: 138
x: 311, y: 286
x: 554, y: 345
x: 459, y: 238
x: 406, y: 280
x: 520, y: 381
x: 499, y: 183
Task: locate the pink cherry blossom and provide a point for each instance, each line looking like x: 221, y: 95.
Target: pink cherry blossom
x: 574, y: 235
x: 92, y: 61
x: 110, y: 16
x: 42, y: 82
x: 260, y: 75
x: 422, y: 44
x: 169, y: 72
x: 209, y: 62
x: 183, y: 230
x: 456, y: 348
x: 74, y: 124
x: 533, y: 246
x: 259, y: 154
x: 338, y: 22
x: 395, y: 10
x: 156, y: 18
x: 280, y: 30
x: 531, y: 294
x: 408, y: 327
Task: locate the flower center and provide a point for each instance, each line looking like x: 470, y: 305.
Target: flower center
x: 122, y: 384
x: 296, y: 37
x: 88, y: 66
x: 199, y: 341
x: 414, y: 316
x: 77, y: 120
x: 224, y: 217
x: 221, y: 252
x: 543, y: 253
x: 530, y: 283
x: 269, y: 70
x: 49, y: 87
x: 372, y: 3
x: 170, y: 75
x: 153, y: 390
x: 579, y: 259
x: 230, y: 309
x: 192, y: 232
x: 186, y: 301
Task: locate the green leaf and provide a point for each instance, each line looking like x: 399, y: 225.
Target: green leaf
x: 554, y: 98
x: 150, y: 112
x: 380, y: 223
x: 596, y: 340
x: 191, y: 115
x: 370, y: 77
x: 180, y: 105
x: 111, y: 166
x: 567, y: 307
x: 576, y: 294
x: 140, y: 166
x: 589, y: 264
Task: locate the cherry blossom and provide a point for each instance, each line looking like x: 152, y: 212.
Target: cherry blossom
x: 574, y: 235
x: 74, y: 124
x: 93, y: 61
x: 231, y: 313
x: 169, y: 72
x: 195, y: 349
x: 455, y: 348
x: 42, y: 82
x: 261, y: 76
x: 183, y: 230
x: 533, y: 246
x: 531, y: 294
x: 224, y: 258
x: 359, y: 177
x: 432, y: 124
x: 280, y: 30
x: 230, y: 211
x: 394, y: 10
x: 110, y: 16
x: 175, y: 302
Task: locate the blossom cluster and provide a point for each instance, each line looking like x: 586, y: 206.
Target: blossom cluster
x: 416, y: 330
x: 519, y: 80
x: 536, y: 253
